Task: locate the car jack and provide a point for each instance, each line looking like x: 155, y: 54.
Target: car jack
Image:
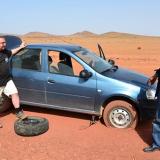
x: 93, y: 120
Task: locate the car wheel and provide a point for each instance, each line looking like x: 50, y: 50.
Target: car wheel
x: 120, y: 114
x: 31, y: 126
x: 5, y: 103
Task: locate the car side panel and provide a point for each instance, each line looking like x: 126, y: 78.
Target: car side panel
x: 30, y: 85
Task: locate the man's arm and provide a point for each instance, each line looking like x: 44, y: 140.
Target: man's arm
x: 14, y: 51
x: 152, y: 79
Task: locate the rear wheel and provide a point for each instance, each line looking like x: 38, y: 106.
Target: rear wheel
x: 120, y: 114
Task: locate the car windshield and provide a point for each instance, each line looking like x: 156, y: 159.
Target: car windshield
x: 94, y: 61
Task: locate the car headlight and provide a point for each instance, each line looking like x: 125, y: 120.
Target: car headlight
x: 150, y: 93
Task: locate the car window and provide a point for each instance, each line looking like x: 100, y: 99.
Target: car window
x: 97, y: 63
x: 53, y: 59
x: 62, y: 63
x: 27, y: 59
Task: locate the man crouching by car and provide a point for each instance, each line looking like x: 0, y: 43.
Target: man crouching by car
x: 6, y: 81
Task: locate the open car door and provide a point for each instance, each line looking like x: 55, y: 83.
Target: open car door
x: 102, y: 55
x: 101, y: 52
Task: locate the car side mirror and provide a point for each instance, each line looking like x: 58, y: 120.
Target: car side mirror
x: 85, y: 74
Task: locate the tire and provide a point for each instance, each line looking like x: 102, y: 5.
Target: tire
x: 120, y: 114
x: 31, y: 126
x: 5, y: 103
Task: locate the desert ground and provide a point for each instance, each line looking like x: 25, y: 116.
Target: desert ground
x: 69, y: 135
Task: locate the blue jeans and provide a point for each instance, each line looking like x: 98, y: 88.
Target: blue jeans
x: 158, y: 108
x: 156, y: 125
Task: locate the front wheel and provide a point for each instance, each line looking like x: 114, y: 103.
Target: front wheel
x: 120, y: 114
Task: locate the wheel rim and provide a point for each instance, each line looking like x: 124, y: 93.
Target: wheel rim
x: 29, y: 121
x: 120, y: 118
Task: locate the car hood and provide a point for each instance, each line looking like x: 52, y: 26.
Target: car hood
x: 128, y: 76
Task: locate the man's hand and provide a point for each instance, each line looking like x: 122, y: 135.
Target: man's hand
x: 23, y: 45
x: 149, y: 82
x: 152, y: 80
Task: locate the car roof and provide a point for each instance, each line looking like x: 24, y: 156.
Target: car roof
x: 70, y: 47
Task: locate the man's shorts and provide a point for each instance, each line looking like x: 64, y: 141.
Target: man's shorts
x: 10, y: 88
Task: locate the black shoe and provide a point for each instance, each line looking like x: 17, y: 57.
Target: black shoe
x: 19, y: 113
x: 151, y: 149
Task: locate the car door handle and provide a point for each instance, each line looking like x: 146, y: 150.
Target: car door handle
x: 51, y: 81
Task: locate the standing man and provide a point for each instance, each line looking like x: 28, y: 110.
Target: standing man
x: 156, y: 123
x: 10, y: 89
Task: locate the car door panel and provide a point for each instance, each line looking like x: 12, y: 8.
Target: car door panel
x: 66, y: 89
x: 28, y: 76
x: 30, y: 85
x: 71, y: 92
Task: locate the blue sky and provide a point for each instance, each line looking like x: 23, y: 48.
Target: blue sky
x: 63, y: 17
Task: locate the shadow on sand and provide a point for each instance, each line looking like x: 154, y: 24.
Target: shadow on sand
x: 57, y: 112
x: 144, y: 130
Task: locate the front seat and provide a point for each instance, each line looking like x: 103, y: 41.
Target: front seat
x: 65, y: 65
x: 52, y: 67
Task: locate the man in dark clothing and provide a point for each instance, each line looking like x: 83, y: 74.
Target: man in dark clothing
x: 5, y: 78
x: 156, y: 123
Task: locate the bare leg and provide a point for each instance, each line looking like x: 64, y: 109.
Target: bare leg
x: 15, y: 100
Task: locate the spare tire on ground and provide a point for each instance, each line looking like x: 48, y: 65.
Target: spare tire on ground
x: 31, y: 126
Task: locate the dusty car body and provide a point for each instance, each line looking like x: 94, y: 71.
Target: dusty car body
x: 72, y: 78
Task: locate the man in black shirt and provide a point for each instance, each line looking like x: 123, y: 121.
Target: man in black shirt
x: 5, y: 78
x: 156, y: 123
